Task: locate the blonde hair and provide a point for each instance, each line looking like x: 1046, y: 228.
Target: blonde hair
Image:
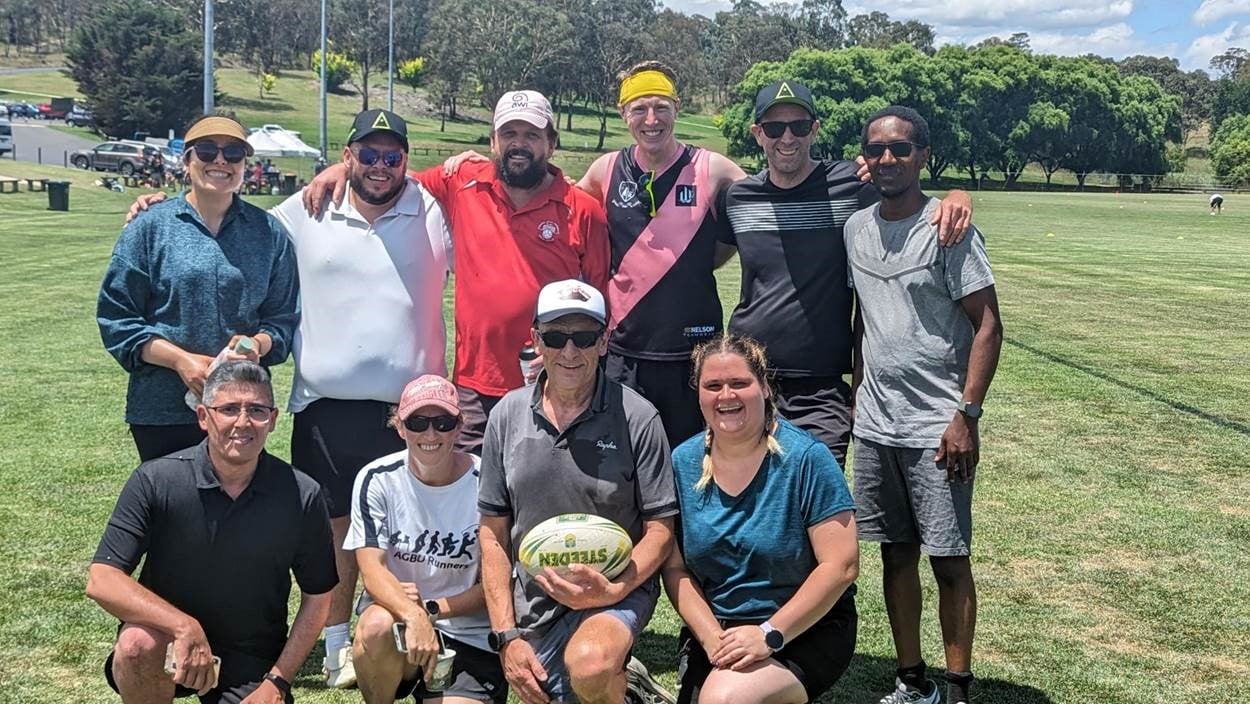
x: 752, y: 353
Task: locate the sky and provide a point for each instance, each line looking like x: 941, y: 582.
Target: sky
x: 1190, y: 30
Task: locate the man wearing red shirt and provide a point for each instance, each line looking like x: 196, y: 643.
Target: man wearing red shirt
x: 516, y: 226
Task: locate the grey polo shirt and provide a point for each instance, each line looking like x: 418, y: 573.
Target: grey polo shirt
x: 225, y: 562
x: 612, y: 461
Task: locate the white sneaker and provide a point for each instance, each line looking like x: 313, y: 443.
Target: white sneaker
x: 338, y: 668
x: 640, y: 688
x: 903, y: 694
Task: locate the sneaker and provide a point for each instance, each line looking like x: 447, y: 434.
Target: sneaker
x: 903, y: 694
x: 640, y: 688
x: 338, y: 668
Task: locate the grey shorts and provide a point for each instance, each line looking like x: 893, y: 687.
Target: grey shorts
x: 634, y: 611
x: 902, y: 496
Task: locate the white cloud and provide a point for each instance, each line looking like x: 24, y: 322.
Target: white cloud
x: 1212, y: 10
x: 1005, y: 16
x: 1117, y: 41
x: 1202, y: 48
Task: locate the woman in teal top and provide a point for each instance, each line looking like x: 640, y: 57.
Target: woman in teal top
x: 767, y: 556
x: 189, y: 277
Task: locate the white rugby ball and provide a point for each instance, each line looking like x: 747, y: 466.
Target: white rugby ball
x: 576, y: 538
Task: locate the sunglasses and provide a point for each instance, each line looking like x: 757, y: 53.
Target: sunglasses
x: 368, y: 157
x: 798, y: 128
x: 207, y: 152
x: 443, y: 423
x: 644, y: 186
x: 255, y: 412
x: 582, y: 339
x: 900, y: 150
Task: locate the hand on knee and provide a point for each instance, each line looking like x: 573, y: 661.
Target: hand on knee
x: 373, y: 631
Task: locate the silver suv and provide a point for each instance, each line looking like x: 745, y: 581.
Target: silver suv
x: 122, y: 157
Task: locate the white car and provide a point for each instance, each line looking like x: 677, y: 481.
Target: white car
x: 6, y: 135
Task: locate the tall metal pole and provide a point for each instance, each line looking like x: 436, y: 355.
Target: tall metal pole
x: 322, y: 144
x: 208, y: 57
x: 390, y: 57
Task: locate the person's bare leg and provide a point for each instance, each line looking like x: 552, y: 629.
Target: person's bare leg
x: 139, y: 666
x: 595, y: 658
x: 957, y: 609
x: 766, y: 682
x: 380, y: 667
x: 900, y: 580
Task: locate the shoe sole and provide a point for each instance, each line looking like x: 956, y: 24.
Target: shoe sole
x: 637, y: 674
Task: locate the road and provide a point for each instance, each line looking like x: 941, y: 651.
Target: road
x: 29, y: 136
x: 9, y: 70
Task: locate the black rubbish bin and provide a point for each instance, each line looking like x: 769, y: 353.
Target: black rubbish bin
x: 288, y: 184
x: 58, y: 195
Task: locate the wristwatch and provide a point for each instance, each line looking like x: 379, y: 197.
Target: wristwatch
x: 773, y: 638
x: 498, y: 639
x: 431, y: 608
x: 970, y: 409
x: 279, y: 682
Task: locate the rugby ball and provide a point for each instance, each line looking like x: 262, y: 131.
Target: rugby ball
x: 576, y: 538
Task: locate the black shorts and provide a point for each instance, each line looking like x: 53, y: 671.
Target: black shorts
x: 333, y: 439
x: 240, y: 675
x: 154, y: 441
x: 818, y: 657
x: 475, y: 674
x: 821, y: 405
x: 668, y: 386
x: 475, y: 408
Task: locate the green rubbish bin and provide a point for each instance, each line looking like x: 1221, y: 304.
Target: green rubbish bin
x: 288, y: 184
x: 58, y: 195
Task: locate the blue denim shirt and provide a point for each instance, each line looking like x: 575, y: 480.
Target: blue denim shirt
x: 169, y: 277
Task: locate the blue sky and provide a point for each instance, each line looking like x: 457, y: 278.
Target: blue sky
x: 1191, y: 30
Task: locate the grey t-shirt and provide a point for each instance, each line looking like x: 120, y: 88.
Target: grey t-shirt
x: 916, y: 335
x: 613, y: 461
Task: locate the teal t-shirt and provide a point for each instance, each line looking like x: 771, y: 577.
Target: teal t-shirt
x: 751, y: 552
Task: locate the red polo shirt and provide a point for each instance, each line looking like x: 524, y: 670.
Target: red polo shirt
x: 503, y: 256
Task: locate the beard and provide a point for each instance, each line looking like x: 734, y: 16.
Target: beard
x: 528, y: 176
x: 363, y: 188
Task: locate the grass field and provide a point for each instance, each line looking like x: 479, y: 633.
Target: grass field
x: 1111, y: 512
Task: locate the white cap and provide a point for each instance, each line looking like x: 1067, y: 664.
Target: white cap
x: 528, y: 105
x: 568, y: 297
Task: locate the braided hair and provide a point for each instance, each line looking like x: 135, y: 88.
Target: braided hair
x: 752, y: 353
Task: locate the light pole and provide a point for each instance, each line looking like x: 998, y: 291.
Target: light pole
x: 390, y: 57
x: 322, y: 144
x: 208, y: 57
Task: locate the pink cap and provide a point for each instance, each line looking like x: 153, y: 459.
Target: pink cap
x: 429, y: 390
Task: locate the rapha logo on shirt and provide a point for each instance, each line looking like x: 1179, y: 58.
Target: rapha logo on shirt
x: 547, y: 230
x: 627, y: 195
x: 609, y: 445
x: 685, y: 194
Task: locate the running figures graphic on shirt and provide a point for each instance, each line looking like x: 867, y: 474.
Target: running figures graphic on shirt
x: 450, y: 551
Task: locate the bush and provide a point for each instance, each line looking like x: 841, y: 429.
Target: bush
x: 339, y: 68
x: 1230, y: 150
x: 412, y: 72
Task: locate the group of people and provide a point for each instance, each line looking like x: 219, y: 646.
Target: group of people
x: 719, y: 451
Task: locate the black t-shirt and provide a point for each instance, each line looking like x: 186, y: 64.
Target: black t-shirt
x: 795, y: 298
x: 226, y: 563
x: 683, y: 309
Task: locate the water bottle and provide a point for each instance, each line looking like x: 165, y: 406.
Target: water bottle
x: 245, y: 345
x: 528, y: 354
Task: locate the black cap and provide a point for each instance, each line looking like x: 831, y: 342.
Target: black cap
x: 780, y: 92
x: 374, y: 121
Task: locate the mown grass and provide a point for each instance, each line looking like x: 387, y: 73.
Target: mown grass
x: 1111, y: 518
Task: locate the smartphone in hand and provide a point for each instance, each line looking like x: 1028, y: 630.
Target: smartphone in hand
x: 171, y: 667
x: 399, y: 629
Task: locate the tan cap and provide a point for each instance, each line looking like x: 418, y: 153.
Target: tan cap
x: 217, y: 126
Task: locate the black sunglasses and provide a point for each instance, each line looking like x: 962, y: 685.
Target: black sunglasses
x: 582, y: 339
x: 443, y: 423
x: 900, y: 150
x: 207, y: 152
x: 798, y: 128
x: 368, y: 157
x: 644, y: 186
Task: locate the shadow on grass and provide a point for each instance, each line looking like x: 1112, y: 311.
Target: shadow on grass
x: 1179, y: 406
x: 234, y: 101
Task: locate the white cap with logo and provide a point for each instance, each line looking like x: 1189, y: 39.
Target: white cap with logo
x: 528, y: 105
x: 568, y: 297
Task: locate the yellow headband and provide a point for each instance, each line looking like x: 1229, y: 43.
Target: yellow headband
x: 647, y: 83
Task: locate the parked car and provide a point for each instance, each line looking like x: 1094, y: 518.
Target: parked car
x: 4, y: 110
x: 125, y: 158
x: 47, y: 112
x: 22, y: 110
x: 6, y: 136
x: 80, y: 117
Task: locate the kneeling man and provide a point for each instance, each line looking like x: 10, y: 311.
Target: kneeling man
x: 223, y: 525
x: 573, y: 442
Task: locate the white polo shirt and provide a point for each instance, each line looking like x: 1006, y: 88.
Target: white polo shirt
x: 371, y: 297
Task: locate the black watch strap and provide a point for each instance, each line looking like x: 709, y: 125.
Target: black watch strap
x: 279, y: 681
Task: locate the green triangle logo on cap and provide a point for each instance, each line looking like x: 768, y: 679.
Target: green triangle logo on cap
x: 784, y: 91
x: 380, y: 122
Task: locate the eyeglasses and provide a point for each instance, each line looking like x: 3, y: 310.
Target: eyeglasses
x: 207, y: 152
x: 443, y: 423
x: 255, y: 412
x: 582, y: 339
x: 900, y: 150
x: 368, y: 157
x: 798, y: 128
x: 644, y: 185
